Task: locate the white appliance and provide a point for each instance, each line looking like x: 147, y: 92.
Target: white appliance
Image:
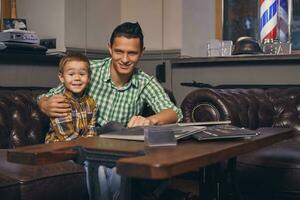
x: 13, y: 35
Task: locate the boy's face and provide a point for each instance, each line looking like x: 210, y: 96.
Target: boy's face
x: 125, y: 54
x: 75, y: 76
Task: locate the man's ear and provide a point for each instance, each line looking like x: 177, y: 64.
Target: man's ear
x: 61, y: 78
x: 109, y: 48
x: 142, y: 52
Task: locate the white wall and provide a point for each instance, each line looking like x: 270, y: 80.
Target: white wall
x: 149, y: 15
x: 172, y: 24
x: 45, y: 17
x: 160, y: 21
x: 188, y: 24
x: 90, y: 29
x: 198, y: 26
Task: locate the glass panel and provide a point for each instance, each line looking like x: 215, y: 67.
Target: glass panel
x: 240, y: 19
x: 296, y: 25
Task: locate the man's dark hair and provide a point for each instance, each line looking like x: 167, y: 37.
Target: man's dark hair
x: 128, y: 30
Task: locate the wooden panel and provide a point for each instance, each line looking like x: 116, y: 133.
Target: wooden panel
x: 218, y: 19
x: 5, y: 11
x: 13, y: 6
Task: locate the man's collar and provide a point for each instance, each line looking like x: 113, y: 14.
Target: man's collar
x: 135, y: 78
x: 107, y: 72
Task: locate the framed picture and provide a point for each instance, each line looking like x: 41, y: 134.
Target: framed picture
x: 19, y: 24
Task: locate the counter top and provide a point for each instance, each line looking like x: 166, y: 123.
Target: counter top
x: 237, y: 58
x: 28, y: 58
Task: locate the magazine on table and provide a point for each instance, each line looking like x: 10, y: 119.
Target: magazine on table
x: 220, y: 132
x: 207, y: 123
x: 138, y: 133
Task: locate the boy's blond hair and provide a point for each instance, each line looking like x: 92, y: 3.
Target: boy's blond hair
x: 74, y: 57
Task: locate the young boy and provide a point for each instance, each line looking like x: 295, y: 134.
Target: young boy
x: 74, y: 74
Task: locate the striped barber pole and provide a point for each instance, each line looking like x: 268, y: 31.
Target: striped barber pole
x: 283, y: 27
x: 268, y: 20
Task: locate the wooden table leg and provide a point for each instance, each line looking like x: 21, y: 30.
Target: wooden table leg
x: 93, y: 185
x: 209, y: 182
x: 92, y: 161
x: 219, y: 182
x: 230, y: 189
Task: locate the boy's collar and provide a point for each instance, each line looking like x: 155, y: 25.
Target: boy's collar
x: 70, y: 95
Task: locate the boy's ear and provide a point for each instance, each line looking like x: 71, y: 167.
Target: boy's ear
x: 61, y: 78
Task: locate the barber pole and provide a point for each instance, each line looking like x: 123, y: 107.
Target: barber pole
x: 268, y: 20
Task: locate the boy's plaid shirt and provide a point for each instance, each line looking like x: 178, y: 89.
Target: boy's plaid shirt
x: 121, y: 104
x: 80, y: 122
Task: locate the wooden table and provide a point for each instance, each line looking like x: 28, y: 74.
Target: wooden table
x: 135, y: 161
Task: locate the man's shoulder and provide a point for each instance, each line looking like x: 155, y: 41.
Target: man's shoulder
x: 97, y: 63
x: 143, y: 76
x: 147, y: 82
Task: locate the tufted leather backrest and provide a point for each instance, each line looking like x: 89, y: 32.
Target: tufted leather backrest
x: 252, y: 108
x: 21, y: 121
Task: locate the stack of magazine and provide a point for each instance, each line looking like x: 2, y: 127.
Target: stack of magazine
x: 137, y: 133
x: 220, y: 132
x: 198, y: 130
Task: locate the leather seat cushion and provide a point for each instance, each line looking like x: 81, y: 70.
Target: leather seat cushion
x: 63, y: 180
x: 9, y: 188
x: 275, y: 169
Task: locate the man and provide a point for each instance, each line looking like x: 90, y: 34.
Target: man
x: 120, y: 90
x: 119, y: 87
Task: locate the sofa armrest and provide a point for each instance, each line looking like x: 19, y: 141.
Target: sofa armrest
x: 205, y: 105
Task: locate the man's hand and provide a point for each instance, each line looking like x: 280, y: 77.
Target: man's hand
x: 139, y: 121
x: 166, y: 116
x: 55, y: 106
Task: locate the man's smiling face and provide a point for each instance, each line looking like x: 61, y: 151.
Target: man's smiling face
x: 125, y: 54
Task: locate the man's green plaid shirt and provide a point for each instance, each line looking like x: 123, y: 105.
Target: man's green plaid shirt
x: 121, y: 104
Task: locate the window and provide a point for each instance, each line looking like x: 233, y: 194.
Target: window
x: 295, y: 28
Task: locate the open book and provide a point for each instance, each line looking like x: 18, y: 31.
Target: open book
x: 137, y: 133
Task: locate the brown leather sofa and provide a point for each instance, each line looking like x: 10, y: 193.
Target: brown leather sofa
x: 273, y: 172
x: 22, y: 123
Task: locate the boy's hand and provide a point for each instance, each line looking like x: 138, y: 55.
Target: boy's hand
x: 55, y: 106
